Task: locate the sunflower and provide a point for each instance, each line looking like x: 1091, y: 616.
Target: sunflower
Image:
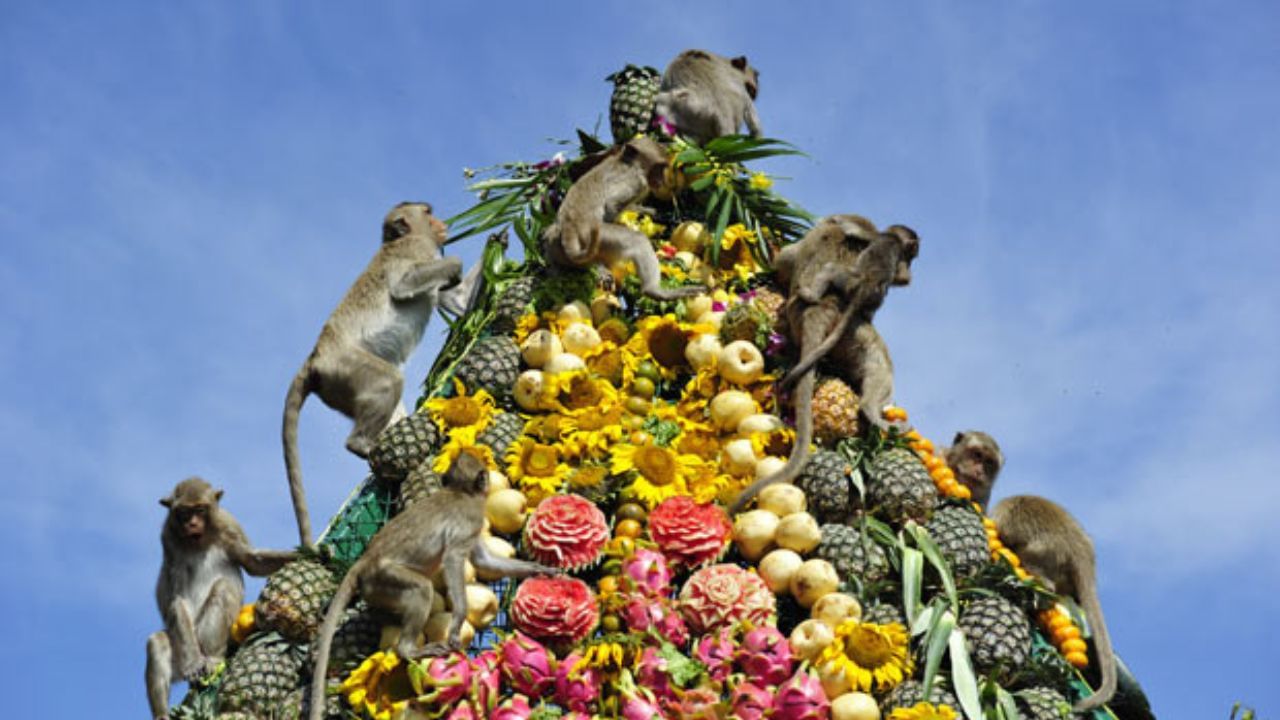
x: 660, y: 472
x: 707, y: 483
x: 380, y: 686
x: 642, y: 224
x: 773, y: 442
x: 871, y: 655
x: 593, y: 433
x: 525, y: 327
x: 924, y: 711
x: 575, y: 392
x: 536, y: 466
x: 736, y: 259
x: 462, y: 442
x: 462, y: 413
x: 586, y: 477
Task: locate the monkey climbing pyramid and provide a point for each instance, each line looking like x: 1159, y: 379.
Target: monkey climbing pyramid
x: 617, y: 429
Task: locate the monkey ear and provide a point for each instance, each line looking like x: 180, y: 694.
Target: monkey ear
x: 739, y: 62
x: 167, y: 501
x: 629, y: 153
x: 217, y: 494
x: 959, y: 438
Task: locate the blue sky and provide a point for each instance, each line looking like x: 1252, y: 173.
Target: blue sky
x: 187, y: 189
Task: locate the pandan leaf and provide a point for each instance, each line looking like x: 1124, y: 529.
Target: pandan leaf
x: 912, y: 578
x: 930, y: 549
x: 1005, y: 705
x: 936, y: 640
x: 963, y: 679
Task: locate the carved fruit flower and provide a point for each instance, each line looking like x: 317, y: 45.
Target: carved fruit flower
x: 689, y: 533
x: 720, y: 595
x: 566, y: 531
x: 555, y: 609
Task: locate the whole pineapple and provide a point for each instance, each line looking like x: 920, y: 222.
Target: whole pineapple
x: 423, y: 482
x: 959, y: 533
x: 826, y: 483
x: 260, y: 676
x: 635, y: 92
x: 997, y: 632
x: 1043, y: 703
x: 297, y: 706
x: 492, y: 364
x: 910, y: 692
x: 835, y: 411
x: 403, y: 446
x: 356, y: 638
x: 503, y: 430
x: 513, y: 302
x: 852, y: 555
x: 899, y: 487
x: 294, y: 599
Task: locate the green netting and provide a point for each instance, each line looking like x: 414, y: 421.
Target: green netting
x: 363, y: 513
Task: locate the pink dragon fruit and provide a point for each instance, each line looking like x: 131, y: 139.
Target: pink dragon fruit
x: 637, y: 703
x: 801, y: 698
x: 515, y: 707
x: 576, y: 690
x: 527, y: 666
x: 765, y: 656
x: 696, y: 704
x: 716, y: 652
x: 749, y: 702
x: 644, y: 613
x: 646, y: 572
x: 651, y: 673
x: 485, y: 680
x: 575, y: 715
x: 463, y: 711
x: 445, y: 680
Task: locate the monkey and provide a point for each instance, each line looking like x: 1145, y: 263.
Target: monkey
x: 394, y: 573
x: 355, y: 365
x: 847, y: 253
x: 200, y: 588
x: 1054, y: 547
x: 704, y: 96
x: 584, y: 231
x: 976, y: 460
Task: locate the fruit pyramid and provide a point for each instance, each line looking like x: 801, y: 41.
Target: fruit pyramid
x: 617, y: 430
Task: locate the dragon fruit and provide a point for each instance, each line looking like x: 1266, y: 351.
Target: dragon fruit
x: 515, y: 707
x: 749, y: 702
x: 576, y: 690
x: 485, y: 680
x: 527, y: 666
x: 463, y: 711
x: 765, y: 656
x: 646, y: 572
x: 644, y: 613
x: 696, y: 704
x: 651, y: 672
x: 801, y: 698
x: 575, y: 715
x: 637, y: 703
x: 716, y: 652
x: 443, y: 681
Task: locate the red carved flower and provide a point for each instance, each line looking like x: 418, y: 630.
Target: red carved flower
x: 566, y: 531
x: 555, y: 609
x: 720, y: 595
x: 688, y: 533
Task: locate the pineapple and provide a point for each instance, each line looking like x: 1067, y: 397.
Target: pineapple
x: 421, y: 483
x: 744, y: 322
x: 835, y: 411
x: 1043, y: 703
x: 997, y: 632
x: 635, y: 92
x: 770, y: 303
x: 958, y: 531
x: 852, y: 555
x: 899, y: 487
x: 910, y: 692
x: 294, y: 599
x: 260, y: 676
x: 513, y: 301
x: 491, y: 364
x: 502, y: 431
x: 403, y: 446
x: 825, y: 482
x: 883, y: 614
x: 356, y: 638
x: 297, y: 706
x: 235, y: 715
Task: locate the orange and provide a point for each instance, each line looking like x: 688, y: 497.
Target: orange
x: 1060, y: 620
x: 1073, y: 645
x: 1063, y: 633
x: 1078, y: 659
x: 629, y: 528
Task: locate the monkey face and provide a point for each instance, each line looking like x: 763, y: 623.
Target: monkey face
x: 191, y: 522
x: 910, y: 249
x: 409, y: 218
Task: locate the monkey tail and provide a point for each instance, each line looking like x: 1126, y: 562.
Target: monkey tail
x: 799, y: 451
x: 808, y: 360
x: 298, y: 391
x: 324, y: 641
x: 1088, y: 590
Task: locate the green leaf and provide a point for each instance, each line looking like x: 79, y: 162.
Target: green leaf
x: 912, y: 578
x: 1006, y: 704
x: 682, y: 670
x: 963, y: 680
x: 939, y: 563
x: 936, y: 640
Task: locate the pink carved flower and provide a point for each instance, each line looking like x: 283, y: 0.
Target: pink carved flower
x: 688, y: 533
x: 555, y: 609
x: 720, y: 595
x: 566, y: 531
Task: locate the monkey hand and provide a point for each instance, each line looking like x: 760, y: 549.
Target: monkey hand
x: 437, y: 649
x: 198, y: 667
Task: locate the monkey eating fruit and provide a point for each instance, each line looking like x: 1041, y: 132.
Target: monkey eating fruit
x: 704, y: 96
x: 355, y: 366
x: 200, y: 588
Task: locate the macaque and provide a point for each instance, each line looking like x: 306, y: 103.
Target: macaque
x: 976, y: 460
x: 355, y: 366
x: 200, y: 588
x: 1053, y: 546
x: 585, y: 233
x: 838, y: 275
x: 394, y: 574
x: 704, y: 96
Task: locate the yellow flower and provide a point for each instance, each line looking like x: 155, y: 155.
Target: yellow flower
x: 872, y: 656
x: 593, y: 433
x: 588, y: 476
x: 760, y: 181
x: 924, y: 711
x: 660, y: 472
x: 537, y: 467
x: 734, y: 234
x: 462, y: 412
x: 525, y: 327
x: 706, y: 482
x: 575, y: 392
x: 460, y: 442
x: 379, y: 686
x: 774, y: 442
x: 642, y: 224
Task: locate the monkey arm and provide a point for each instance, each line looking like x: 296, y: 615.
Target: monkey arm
x: 484, y: 560
x: 260, y: 563
x: 438, y: 274
x: 458, y: 299
x: 842, y: 278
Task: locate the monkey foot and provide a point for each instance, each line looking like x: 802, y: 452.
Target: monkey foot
x: 435, y: 649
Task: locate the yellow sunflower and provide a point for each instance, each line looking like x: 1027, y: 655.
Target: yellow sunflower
x: 660, y: 472
x: 773, y: 442
x: 642, y: 224
x: 924, y: 711
x: 871, y: 655
x: 462, y: 413
x: 549, y: 428
x: 585, y: 477
x: 459, y: 443
x: 593, y: 433
x: 735, y: 258
x: 706, y: 483
x: 380, y: 686
x: 537, y: 467
x: 575, y: 392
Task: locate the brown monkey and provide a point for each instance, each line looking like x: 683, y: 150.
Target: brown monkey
x: 355, y: 366
x: 847, y: 253
x: 704, y: 96
x: 1053, y: 546
x: 395, y: 571
x: 200, y: 588
x: 976, y: 460
x: 585, y: 233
